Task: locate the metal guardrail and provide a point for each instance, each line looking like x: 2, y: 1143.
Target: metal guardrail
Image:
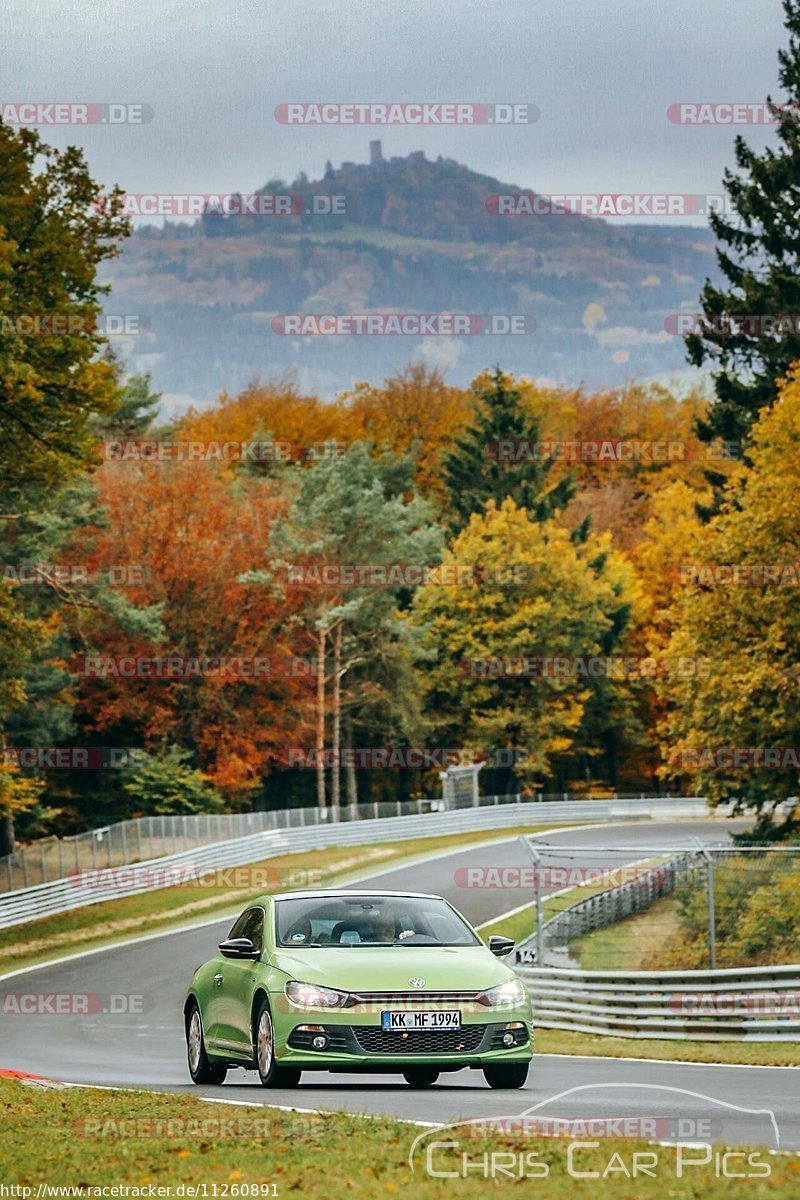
x: 143, y: 838
x: 607, y: 907
x: 748, y: 1004
x: 32, y: 903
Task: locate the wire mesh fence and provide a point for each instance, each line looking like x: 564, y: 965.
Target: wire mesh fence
x: 143, y: 838
x: 690, y: 909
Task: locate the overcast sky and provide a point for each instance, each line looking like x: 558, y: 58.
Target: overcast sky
x: 602, y: 72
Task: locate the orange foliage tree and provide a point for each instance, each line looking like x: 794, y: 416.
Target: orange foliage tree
x: 181, y: 534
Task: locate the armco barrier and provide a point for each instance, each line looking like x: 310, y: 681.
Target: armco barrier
x: 607, y: 907
x: 143, y: 838
x: 63, y: 895
x: 748, y: 1004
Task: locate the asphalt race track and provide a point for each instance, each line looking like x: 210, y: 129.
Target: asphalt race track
x: 146, y: 1048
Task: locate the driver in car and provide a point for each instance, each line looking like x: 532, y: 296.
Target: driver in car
x: 385, y: 930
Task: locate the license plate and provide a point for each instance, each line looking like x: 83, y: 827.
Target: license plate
x: 421, y: 1020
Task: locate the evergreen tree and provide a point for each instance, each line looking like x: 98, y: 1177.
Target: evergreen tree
x: 136, y: 410
x: 759, y: 257
x: 349, y: 511
x: 479, y: 468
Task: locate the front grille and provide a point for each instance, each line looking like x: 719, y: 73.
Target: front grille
x: 374, y: 1040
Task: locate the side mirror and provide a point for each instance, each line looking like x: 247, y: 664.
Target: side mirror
x: 500, y: 946
x: 239, y: 948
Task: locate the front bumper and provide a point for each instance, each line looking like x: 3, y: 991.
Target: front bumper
x: 348, y: 1039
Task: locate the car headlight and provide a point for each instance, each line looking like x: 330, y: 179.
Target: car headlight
x: 505, y: 995
x: 311, y: 995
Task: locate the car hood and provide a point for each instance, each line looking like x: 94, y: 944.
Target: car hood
x: 389, y: 968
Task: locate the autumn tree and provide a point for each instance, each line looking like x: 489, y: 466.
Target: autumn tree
x: 738, y: 612
x: 180, y: 535
x: 20, y: 639
x: 413, y: 412
x: 299, y: 425
x: 531, y: 599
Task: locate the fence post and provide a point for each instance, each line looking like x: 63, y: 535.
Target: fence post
x: 537, y: 899
x: 124, y: 833
x: 712, y: 922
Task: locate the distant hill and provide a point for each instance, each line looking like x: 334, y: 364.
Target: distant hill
x: 416, y: 236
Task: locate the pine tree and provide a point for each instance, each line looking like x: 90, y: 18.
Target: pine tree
x: 136, y: 410
x: 478, y: 469
x: 759, y: 256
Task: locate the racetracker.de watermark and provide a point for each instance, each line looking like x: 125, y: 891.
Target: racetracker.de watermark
x: 731, y: 112
x: 55, y: 575
x: 145, y: 876
x: 584, y: 666
x: 231, y: 204
x: 141, y: 666
x: 403, y: 575
x: 530, y: 877
x: 71, y: 1004
x: 734, y: 324
x: 737, y: 1004
x: 609, y: 450
x: 64, y: 324
x: 394, y: 324
x: 735, y: 758
x: 606, y: 204
x: 66, y: 758
x: 72, y: 112
x: 757, y: 575
x: 182, y: 1128
x: 216, y: 450
x: 398, y: 758
x: 407, y: 112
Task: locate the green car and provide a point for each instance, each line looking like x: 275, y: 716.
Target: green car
x: 357, y: 982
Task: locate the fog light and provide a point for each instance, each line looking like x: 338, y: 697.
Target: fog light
x: 319, y: 1042
x: 508, y: 1039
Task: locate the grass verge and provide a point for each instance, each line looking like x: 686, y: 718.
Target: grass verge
x: 765, y: 1054
x: 521, y: 924
x: 217, y: 894
x: 628, y: 944
x: 85, y: 1138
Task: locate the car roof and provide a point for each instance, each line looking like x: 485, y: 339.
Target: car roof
x: 328, y: 893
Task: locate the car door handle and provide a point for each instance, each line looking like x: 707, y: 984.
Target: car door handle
x: 218, y: 979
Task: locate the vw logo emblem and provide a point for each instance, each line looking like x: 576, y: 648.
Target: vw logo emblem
x: 415, y: 981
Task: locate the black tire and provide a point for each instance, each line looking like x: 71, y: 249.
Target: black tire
x: 420, y: 1077
x: 201, y: 1069
x: 506, y: 1075
x: 270, y: 1074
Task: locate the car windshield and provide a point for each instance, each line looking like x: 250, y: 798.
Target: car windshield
x: 370, y: 921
